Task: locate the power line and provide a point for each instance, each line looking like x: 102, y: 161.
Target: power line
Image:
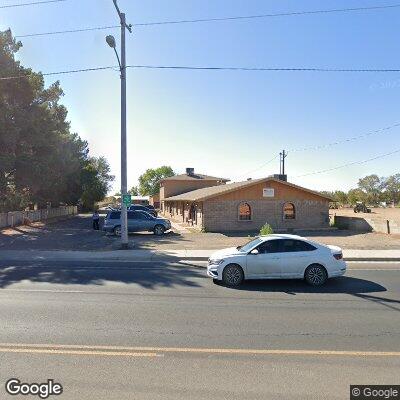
x: 183, y: 67
x: 269, y: 69
x: 318, y: 147
x: 69, y: 31
x: 385, y: 129
x: 240, y: 17
x: 349, y: 164
x: 72, y: 71
x: 283, y: 14
x: 260, y: 167
x: 32, y: 3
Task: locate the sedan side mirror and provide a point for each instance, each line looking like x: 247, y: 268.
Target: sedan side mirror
x: 255, y: 251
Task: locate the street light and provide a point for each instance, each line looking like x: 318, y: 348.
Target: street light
x: 110, y: 39
x: 122, y: 66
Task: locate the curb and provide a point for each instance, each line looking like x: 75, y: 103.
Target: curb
x: 374, y: 259
x: 150, y: 256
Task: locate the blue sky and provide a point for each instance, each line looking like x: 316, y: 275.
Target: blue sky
x: 226, y: 123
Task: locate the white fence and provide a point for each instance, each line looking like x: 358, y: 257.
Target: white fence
x: 15, y: 218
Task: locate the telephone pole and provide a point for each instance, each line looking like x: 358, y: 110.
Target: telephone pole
x: 124, y: 183
x: 284, y: 155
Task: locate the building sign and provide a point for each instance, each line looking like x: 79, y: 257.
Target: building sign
x: 268, y: 192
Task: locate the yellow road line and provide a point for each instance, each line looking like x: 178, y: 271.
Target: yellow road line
x: 78, y: 352
x: 155, y: 351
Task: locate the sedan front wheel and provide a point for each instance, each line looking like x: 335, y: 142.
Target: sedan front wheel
x: 232, y: 275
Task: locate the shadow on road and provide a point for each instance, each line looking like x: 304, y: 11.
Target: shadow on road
x: 74, y: 273
x: 380, y: 300
x: 346, y: 285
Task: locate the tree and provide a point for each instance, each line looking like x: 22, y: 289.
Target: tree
x: 149, y: 182
x: 327, y: 193
x: 371, y: 185
x: 391, y: 187
x: 340, y: 197
x: 96, y: 180
x: 134, y: 191
x: 41, y: 161
x: 355, y: 195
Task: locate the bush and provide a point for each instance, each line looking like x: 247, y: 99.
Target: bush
x: 266, y: 229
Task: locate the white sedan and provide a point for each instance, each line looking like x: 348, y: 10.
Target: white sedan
x: 277, y: 257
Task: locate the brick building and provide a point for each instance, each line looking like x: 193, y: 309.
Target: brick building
x: 184, y: 183
x: 246, y: 206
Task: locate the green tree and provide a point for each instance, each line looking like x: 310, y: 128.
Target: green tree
x: 96, y: 180
x: 340, y: 197
x: 355, y: 195
x: 149, y: 182
x: 327, y: 193
x: 391, y: 187
x: 134, y: 191
x: 371, y: 185
x: 40, y: 159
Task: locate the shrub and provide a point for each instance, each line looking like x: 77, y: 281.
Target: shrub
x: 266, y: 229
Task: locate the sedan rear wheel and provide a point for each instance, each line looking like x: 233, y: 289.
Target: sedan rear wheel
x: 232, y: 275
x: 316, y: 275
x: 159, y: 230
x: 117, y: 231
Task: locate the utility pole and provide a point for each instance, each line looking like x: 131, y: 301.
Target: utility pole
x: 284, y: 155
x: 124, y: 183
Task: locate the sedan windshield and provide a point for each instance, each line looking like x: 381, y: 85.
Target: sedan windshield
x: 248, y: 246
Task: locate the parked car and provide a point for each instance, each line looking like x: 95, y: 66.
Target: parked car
x: 138, y: 221
x: 139, y: 207
x: 277, y: 257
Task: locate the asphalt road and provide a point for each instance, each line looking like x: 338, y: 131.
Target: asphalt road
x: 114, y: 330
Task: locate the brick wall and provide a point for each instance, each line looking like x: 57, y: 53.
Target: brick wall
x: 223, y: 215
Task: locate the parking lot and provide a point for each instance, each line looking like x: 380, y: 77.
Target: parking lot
x: 76, y: 233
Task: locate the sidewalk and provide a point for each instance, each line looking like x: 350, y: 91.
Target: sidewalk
x: 164, y: 255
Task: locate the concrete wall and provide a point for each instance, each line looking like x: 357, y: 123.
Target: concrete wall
x: 367, y: 224
x: 222, y: 216
x: 15, y: 218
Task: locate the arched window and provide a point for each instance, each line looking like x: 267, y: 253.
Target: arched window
x: 244, y: 212
x: 289, y: 211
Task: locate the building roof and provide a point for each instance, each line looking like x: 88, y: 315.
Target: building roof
x: 194, y: 177
x: 213, y: 191
x: 140, y: 197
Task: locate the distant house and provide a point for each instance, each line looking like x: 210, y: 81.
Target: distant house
x: 144, y: 200
x: 155, y: 200
x: 246, y: 206
x: 179, y: 184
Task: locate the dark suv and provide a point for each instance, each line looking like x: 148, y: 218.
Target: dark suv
x: 139, y: 207
x: 138, y: 221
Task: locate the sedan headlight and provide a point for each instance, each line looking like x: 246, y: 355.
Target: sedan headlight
x: 216, y: 262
